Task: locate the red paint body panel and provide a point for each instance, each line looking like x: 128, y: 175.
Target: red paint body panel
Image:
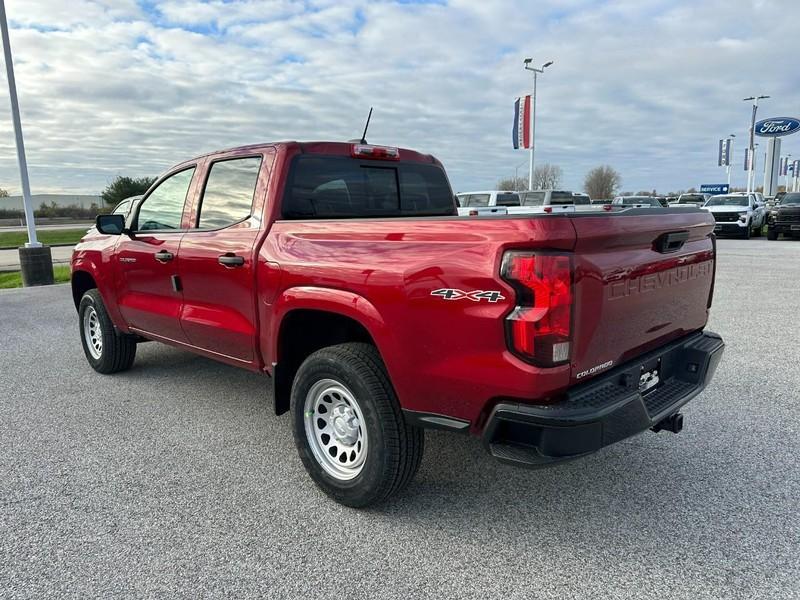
x: 448, y: 357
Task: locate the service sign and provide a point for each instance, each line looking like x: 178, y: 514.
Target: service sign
x: 714, y: 188
x: 777, y: 126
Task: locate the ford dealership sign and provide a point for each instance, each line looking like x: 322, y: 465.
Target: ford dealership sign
x: 777, y: 126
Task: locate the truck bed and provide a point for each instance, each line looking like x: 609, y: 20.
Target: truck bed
x: 453, y: 353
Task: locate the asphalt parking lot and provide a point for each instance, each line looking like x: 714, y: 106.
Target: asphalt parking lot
x: 176, y: 480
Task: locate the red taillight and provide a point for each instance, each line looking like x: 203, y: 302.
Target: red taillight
x: 539, y: 328
x: 375, y: 152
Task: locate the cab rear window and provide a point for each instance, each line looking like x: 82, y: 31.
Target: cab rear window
x: 333, y: 187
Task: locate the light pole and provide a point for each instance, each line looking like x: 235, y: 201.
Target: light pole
x: 527, y: 62
x: 752, y: 172
x: 36, y: 263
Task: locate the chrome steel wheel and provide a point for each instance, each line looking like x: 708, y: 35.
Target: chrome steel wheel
x: 335, y: 429
x: 92, y: 333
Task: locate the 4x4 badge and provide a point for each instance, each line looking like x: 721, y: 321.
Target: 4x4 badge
x: 475, y: 295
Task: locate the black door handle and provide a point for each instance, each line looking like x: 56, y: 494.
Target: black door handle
x: 231, y: 260
x: 164, y: 256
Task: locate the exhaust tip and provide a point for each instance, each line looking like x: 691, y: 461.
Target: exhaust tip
x: 673, y: 423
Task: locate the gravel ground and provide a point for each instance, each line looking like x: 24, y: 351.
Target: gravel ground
x: 175, y: 480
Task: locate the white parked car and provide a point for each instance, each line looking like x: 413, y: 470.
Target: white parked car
x: 640, y: 201
x: 554, y: 200
x: 691, y: 199
x: 737, y: 214
x: 486, y: 202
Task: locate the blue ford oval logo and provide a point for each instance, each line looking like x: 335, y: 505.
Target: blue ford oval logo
x: 777, y: 126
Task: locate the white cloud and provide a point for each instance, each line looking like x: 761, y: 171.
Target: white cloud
x: 120, y: 87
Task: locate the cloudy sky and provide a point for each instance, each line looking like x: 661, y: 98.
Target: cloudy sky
x: 113, y: 87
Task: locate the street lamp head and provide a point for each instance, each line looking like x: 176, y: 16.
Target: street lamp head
x: 527, y: 61
x: 762, y: 97
x: 748, y: 99
x: 547, y: 64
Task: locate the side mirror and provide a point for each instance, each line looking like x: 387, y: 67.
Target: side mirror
x: 110, y: 224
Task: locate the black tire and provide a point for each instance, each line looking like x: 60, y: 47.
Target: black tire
x: 757, y: 231
x: 394, y: 449
x: 117, y: 350
x: 746, y: 234
x: 772, y: 234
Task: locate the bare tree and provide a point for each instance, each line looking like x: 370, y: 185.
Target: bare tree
x: 602, y: 182
x: 547, y: 177
x: 512, y: 184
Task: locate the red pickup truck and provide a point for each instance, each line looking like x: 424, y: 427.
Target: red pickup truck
x: 343, y: 272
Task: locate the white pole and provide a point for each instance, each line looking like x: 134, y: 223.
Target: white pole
x: 533, y: 131
x: 23, y: 164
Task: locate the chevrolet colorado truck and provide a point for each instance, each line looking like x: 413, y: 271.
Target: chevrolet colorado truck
x: 343, y: 273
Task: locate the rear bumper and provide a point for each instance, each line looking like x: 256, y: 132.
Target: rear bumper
x: 605, y: 410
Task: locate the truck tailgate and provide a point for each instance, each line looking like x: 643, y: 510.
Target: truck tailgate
x: 634, y: 291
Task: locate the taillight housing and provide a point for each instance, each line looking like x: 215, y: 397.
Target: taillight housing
x: 375, y: 152
x: 539, y: 329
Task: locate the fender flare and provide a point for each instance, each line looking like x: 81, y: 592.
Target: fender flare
x: 87, y: 264
x: 332, y: 300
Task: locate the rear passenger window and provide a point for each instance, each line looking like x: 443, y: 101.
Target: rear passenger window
x: 478, y: 200
x: 228, y: 196
x: 336, y: 187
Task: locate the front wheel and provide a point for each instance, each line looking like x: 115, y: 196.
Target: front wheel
x: 348, y: 427
x: 107, y: 350
x: 772, y: 234
x: 746, y: 233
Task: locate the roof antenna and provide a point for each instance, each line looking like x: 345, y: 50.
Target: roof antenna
x: 364, y: 135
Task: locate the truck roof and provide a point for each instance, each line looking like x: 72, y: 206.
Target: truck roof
x: 318, y: 147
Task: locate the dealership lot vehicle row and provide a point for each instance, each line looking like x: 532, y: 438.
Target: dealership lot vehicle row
x: 176, y: 479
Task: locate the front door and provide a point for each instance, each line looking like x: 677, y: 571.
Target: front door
x: 217, y: 261
x: 148, y: 260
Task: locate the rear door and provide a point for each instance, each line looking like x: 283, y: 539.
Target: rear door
x: 217, y: 258
x: 147, y: 261
x: 633, y: 291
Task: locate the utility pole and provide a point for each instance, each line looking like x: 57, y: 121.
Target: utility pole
x: 527, y: 62
x: 36, y: 262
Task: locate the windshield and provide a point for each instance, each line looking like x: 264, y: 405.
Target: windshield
x: 507, y: 200
x: 793, y: 198
x: 727, y: 201
x: 562, y: 198
x: 691, y: 199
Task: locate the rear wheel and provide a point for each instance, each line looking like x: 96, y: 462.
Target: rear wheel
x: 107, y: 350
x: 348, y: 427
